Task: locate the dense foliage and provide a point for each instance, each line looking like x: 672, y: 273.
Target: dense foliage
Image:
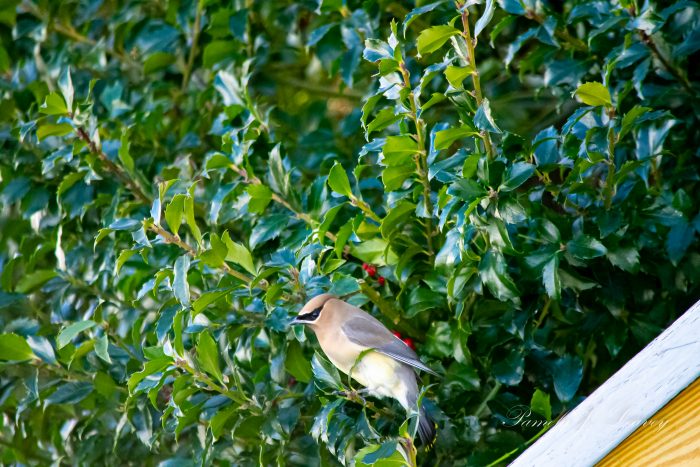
x: 177, y: 178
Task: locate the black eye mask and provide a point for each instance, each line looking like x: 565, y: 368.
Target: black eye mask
x: 311, y: 316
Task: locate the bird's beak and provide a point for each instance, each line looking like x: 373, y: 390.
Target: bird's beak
x: 296, y: 321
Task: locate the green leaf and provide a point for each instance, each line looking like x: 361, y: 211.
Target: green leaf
x: 376, y: 50
x: 630, y: 118
x: 104, y: 384
x: 53, y: 129
x: 296, y: 363
x: 395, y: 217
x: 384, y: 118
x: 70, y: 393
x: 485, y: 18
x: 399, y: 150
x: 239, y: 254
x: 101, y: 347
x: 540, y: 404
x: 416, y: 12
x: 218, y: 51
x: 483, y: 119
x: 584, y: 247
x: 124, y: 154
x: 445, y: 138
x: 509, y: 369
x: 123, y: 258
x: 149, y: 368
x: 325, y: 373
x: 625, y: 258
x: 54, y: 105
x: 436, y: 98
x: 434, y: 37
x: 158, y: 61
x: 550, y: 278
x: 328, y: 219
x: 69, y: 332
x: 207, y: 298
x: 342, y: 238
x: 174, y: 212
x: 34, y: 280
x: 383, y: 455
x: 219, y: 420
x: 374, y: 251
x: 393, y: 177
x: 189, y: 218
x: 181, y: 288
x: 42, y: 348
x: 14, y: 348
x: 338, y: 180
x: 65, y: 84
x: 594, y: 94
x: 260, y: 197
x: 494, y: 275
x: 567, y: 373
x: 208, y: 356
x: 516, y: 175
x: 457, y: 74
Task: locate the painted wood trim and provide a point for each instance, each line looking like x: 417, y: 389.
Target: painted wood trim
x: 671, y: 436
x: 644, y: 385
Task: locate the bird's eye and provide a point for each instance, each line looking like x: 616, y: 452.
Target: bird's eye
x: 311, y: 316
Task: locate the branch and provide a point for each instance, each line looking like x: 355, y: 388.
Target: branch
x: 139, y: 193
x: 475, y: 76
x: 193, y: 50
x: 675, y: 72
x: 421, y: 159
x: 112, y: 167
x: 176, y: 240
x: 70, y: 32
x: 560, y: 33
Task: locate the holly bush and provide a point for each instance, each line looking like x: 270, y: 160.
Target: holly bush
x: 512, y: 185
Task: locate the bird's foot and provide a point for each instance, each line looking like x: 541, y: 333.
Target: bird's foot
x: 354, y: 395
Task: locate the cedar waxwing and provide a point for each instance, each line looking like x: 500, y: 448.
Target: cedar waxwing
x: 345, y: 332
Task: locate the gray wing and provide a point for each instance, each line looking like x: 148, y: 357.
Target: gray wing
x: 366, y: 331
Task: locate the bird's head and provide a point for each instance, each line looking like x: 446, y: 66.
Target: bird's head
x: 314, y: 310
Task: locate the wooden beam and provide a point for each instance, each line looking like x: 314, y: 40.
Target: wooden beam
x: 646, y: 383
x: 670, y: 437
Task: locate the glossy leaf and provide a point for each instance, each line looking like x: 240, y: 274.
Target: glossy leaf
x: 208, y: 356
x: 14, y: 348
x: 434, y: 37
x: 594, y: 94
x: 338, y: 180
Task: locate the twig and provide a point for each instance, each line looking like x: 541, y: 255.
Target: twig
x: 112, y: 167
x: 421, y: 159
x: 190, y: 250
x: 193, y: 50
x: 475, y: 75
x: 649, y: 41
x: 560, y: 33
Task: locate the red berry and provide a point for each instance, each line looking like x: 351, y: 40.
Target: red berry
x: 409, y: 342
x: 396, y: 333
x: 371, y: 271
x: 381, y: 280
x: 365, y: 266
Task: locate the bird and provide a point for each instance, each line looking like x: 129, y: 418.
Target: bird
x: 359, y: 345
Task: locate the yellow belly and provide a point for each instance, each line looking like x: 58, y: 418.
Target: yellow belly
x: 375, y: 371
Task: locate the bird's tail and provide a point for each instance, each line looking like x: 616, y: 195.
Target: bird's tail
x: 426, y: 429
